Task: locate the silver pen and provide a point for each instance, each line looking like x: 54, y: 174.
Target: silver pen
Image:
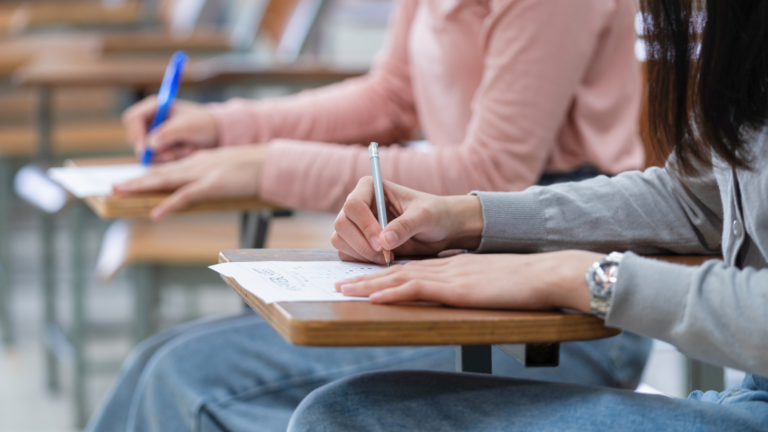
x: 378, y: 189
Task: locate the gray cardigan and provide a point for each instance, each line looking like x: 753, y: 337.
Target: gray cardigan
x: 716, y: 312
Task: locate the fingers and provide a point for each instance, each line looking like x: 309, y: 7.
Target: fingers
x: 172, y: 132
x: 349, y: 239
x: 412, y: 291
x: 158, y: 179
x: 184, y: 197
x: 358, y: 207
x: 361, y: 216
x: 348, y: 258
x: 344, y: 248
x: 174, y: 153
x: 382, y: 280
x: 136, y: 121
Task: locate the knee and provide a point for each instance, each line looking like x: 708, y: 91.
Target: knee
x: 366, y: 401
x: 339, y: 406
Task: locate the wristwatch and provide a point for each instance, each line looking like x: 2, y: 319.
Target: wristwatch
x: 601, y: 278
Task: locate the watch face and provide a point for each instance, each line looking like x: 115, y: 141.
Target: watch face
x: 608, y: 273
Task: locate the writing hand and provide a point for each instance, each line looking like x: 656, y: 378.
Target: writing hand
x: 189, y: 127
x: 419, y: 223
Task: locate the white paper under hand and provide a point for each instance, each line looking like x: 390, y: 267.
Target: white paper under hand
x: 284, y: 281
x: 88, y: 181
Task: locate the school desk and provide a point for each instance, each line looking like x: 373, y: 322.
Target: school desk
x: 141, y: 76
x: 531, y: 337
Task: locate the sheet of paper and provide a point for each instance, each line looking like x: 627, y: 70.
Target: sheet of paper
x: 95, y: 180
x: 283, y: 281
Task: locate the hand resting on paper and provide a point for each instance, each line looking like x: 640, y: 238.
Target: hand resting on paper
x: 425, y: 224
x: 501, y: 281
x: 228, y: 172
x: 189, y: 127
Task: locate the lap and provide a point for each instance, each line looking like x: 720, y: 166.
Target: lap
x: 411, y: 400
x: 240, y: 372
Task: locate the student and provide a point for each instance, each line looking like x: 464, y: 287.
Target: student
x: 709, y: 199
x: 503, y: 91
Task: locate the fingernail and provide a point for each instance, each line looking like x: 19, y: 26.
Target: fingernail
x: 390, y: 238
x: 380, y: 260
x: 349, y: 289
x: 375, y: 297
x: 156, y: 214
x: 375, y: 244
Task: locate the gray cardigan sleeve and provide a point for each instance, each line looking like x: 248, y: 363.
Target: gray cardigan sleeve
x: 712, y: 312
x: 638, y: 211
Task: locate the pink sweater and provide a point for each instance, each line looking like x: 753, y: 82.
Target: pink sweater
x: 503, y: 89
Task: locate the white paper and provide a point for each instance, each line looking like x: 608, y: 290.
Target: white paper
x: 284, y: 281
x: 95, y: 180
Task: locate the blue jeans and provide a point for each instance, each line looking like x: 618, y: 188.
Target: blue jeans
x: 436, y: 401
x: 237, y: 374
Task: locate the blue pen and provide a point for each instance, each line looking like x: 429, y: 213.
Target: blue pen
x: 168, y: 90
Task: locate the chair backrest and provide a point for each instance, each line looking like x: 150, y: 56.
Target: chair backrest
x: 287, y: 23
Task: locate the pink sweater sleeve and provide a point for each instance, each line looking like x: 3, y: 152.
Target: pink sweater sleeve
x: 375, y: 107
x: 536, y: 54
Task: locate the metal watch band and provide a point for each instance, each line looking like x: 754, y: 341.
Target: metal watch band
x: 601, y: 278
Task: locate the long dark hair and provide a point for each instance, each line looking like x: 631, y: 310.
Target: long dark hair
x: 707, y: 77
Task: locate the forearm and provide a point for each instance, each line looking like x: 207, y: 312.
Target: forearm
x: 712, y: 312
x: 650, y: 213
x: 355, y: 111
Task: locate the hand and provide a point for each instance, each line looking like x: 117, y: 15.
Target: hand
x: 419, y: 223
x: 189, y: 127
x: 228, y: 172
x: 536, y: 281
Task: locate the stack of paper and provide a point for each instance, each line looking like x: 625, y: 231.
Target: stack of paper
x: 88, y: 181
x: 283, y: 281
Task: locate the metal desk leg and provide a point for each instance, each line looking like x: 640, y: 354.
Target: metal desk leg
x: 6, y: 317
x: 79, y: 318
x: 44, y: 130
x: 44, y: 125
x: 253, y: 229
x: 145, y: 301
x: 534, y: 355
x: 474, y: 358
x: 49, y: 292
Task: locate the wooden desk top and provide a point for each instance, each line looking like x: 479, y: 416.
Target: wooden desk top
x: 365, y: 324
x: 142, y: 73
x: 86, y: 13
x: 144, y: 42
x: 140, y: 205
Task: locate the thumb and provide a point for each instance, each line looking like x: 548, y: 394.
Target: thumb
x: 401, y: 229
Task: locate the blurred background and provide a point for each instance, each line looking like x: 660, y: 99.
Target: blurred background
x: 77, y: 291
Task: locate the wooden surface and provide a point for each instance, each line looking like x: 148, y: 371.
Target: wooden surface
x: 149, y: 73
x: 71, y: 139
x: 140, y: 205
x: 21, y: 15
x: 365, y: 324
x: 169, y: 242
x: 164, y: 42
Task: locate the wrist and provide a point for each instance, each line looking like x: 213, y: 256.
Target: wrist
x: 571, y: 288
x: 466, y: 218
